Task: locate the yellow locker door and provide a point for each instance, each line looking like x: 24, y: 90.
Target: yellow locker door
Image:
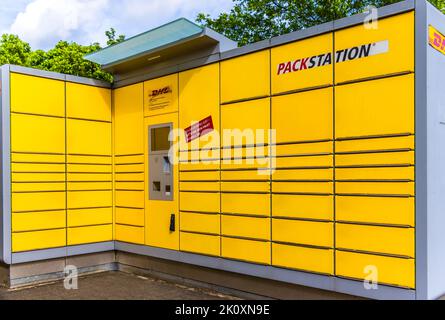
x: 161, y: 198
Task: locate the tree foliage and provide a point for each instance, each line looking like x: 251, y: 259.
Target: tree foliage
x: 65, y: 57
x: 254, y: 20
x: 113, y: 38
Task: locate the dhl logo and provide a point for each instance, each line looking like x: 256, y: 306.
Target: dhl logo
x: 436, y: 40
x: 156, y: 93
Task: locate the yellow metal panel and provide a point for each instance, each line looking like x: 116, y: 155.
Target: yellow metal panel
x: 398, y: 31
x: 38, y: 201
x: 37, y: 167
x: 310, y: 161
x: 88, y: 159
x: 245, y: 203
x: 74, y: 177
x: 303, y: 258
x: 377, y: 144
x: 37, y: 158
x: 129, y: 177
x: 245, y: 118
x: 389, y: 173
x: 303, y: 232
x: 157, y: 221
x: 200, y: 176
x: 88, y: 102
x: 132, y: 217
x: 200, y: 165
x: 245, y: 152
x: 161, y: 95
x: 201, y: 202
x: 37, y: 134
x: 90, y: 217
x: 384, y: 210
x: 304, y: 148
x: 199, y: 186
x: 389, y: 111
x: 37, y: 240
x: 395, y: 188
x: 393, y: 271
x: 247, y: 175
x: 303, y: 174
x: 199, y: 243
x: 132, y: 199
x: 303, y: 116
x: 248, y: 164
x: 129, y: 159
x: 303, y: 206
x: 246, y: 250
x: 89, y: 199
x: 37, y: 95
x: 245, y: 227
x: 241, y: 186
x: 84, y: 186
x: 303, y: 187
x: 84, y: 168
x: 130, y: 186
x: 289, y: 54
x: 389, y: 240
x: 200, y: 155
x: 129, y: 120
x: 365, y: 159
x: 202, y: 223
x: 38, y: 221
x: 38, y: 186
x: 88, y: 137
x: 246, y: 76
x: 130, y: 234
x: 200, y: 87
x: 129, y: 168
x: 38, y: 177
x: 92, y: 234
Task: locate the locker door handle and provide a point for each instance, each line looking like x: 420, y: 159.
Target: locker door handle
x: 173, y: 223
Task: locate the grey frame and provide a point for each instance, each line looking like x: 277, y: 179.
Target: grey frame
x: 157, y: 153
x: 6, y: 165
x: 421, y: 170
x: 353, y: 287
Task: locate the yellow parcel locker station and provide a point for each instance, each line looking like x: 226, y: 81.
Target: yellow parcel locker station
x: 312, y: 159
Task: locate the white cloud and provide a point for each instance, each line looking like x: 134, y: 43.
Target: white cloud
x: 44, y: 22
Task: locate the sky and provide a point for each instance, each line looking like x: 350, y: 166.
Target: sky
x: 43, y: 23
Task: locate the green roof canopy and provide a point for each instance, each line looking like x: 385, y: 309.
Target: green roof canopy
x: 150, y: 42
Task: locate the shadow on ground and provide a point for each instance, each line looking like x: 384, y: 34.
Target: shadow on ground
x: 114, y: 286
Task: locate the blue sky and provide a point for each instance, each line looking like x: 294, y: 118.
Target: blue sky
x: 44, y: 22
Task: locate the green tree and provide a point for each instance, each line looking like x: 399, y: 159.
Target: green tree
x: 113, y: 38
x: 255, y: 20
x: 68, y: 58
x: 65, y: 57
x: 13, y: 50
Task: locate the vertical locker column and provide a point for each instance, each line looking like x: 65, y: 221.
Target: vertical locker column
x: 38, y: 163
x: 161, y: 145
x: 375, y: 187
x: 199, y: 119
x: 89, y: 164
x: 245, y: 174
x: 129, y: 164
x: 302, y: 182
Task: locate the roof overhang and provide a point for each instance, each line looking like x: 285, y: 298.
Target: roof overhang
x: 175, y: 39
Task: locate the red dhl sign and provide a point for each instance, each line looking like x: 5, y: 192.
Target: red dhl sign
x: 436, y: 40
x: 325, y: 59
